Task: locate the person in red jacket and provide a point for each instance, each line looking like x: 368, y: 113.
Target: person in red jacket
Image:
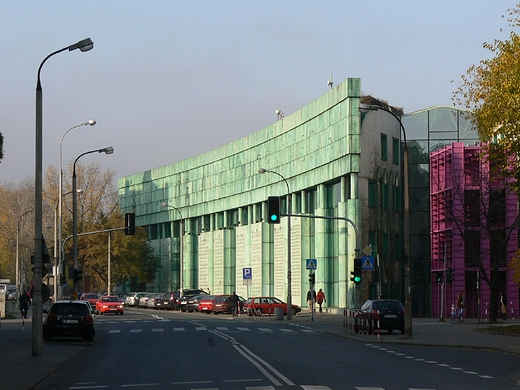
x: 320, y: 298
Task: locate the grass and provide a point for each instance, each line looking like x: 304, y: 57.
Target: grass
x: 506, y: 330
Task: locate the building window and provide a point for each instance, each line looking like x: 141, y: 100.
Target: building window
x: 372, y: 194
x: 472, y: 208
x: 395, y: 151
x: 397, y: 199
x: 497, y: 208
x: 472, y: 248
x: 386, y: 197
x: 384, y: 147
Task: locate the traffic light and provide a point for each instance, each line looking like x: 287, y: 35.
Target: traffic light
x: 129, y: 224
x: 357, y: 273
x: 450, y: 275
x: 312, y: 278
x: 77, y: 275
x: 273, y: 209
x: 439, y: 276
x: 63, y: 280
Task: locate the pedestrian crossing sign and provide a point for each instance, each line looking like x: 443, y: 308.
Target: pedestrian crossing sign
x: 312, y: 264
x: 367, y: 263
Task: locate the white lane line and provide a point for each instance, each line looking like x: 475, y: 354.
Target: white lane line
x: 140, y: 384
x: 157, y: 330
x: 244, y: 329
x: 114, y: 331
x: 135, y: 330
x: 179, y: 329
x: 276, y: 372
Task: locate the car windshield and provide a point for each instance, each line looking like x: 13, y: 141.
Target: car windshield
x: 387, y: 305
x: 71, y: 309
x: 110, y: 299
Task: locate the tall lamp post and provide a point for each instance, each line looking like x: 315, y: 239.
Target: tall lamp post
x: 37, y: 332
x: 181, y: 246
x: 407, y: 271
x: 17, y: 278
x: 289, y: 212
x: 91, y: 122
x: 107, y: 150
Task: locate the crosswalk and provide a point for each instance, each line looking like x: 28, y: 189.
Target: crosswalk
x: 239, y: 329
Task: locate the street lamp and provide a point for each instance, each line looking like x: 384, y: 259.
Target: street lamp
x: 289, y: 212
x: 17, y: 278
x: 91, y: 122
x: 181, y: 246
x: 57, y: 251
x: 407, y: 273
x: 37, y: 333
x: 107, y: 150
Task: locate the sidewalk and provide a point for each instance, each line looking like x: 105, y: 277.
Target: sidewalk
x: 425, y: 331
x: 19, y: 370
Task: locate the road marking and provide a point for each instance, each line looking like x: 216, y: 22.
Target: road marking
x: 158, y: 330
x: 244, y: 329
x: 179, y: 329
x: 264, y: 330
x: 135, y: 330
x: 287, y: 330
x: 140, y: 384
x: 114, y: 331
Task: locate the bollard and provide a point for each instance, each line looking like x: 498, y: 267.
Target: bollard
x: 278, y: 313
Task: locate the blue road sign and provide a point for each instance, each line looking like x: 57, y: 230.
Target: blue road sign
x: 367, y: 263
x: 247, y: 273
x: 312, y: 264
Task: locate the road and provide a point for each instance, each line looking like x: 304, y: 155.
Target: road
x: 146, y: 349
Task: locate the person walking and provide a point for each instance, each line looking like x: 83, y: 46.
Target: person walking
x: 25, y: 301
x: 320, y: 298
x: 460, y: 305
x: 503, y: 306
x: 311, y: 298
x: 234, y: 304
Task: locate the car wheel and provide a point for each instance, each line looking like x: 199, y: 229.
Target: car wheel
x: 184, y: 311
x: 293, y: 311
x: 258, y: 311
x: 122, y: 312
x: 190, y: 311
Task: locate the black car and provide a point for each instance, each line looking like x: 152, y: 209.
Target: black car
x: 69, y: 319
x: 390, y: 312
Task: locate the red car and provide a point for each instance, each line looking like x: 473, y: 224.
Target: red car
x: 206, y: 304
x: 91, y: 297
x: 266, y: 305
x: 222, y: 304
x: 109, y: 304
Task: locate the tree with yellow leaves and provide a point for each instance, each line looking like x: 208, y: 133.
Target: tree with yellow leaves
x: 491, y: 93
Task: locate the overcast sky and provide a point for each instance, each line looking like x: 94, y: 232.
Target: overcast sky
x: 168, y: 80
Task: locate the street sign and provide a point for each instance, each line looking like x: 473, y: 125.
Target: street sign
x: 367, y: 263
x: 312, y: 264
x: 5, y: 281
x: 367, y: 250
x: 247, y: 273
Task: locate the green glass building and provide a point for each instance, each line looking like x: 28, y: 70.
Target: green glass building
x: 331, y: 161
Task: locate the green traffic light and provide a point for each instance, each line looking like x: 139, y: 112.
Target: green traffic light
x: 274, y: 217
x: 357, y: 279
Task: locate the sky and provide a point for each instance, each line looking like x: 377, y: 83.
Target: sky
x: 168, y: 80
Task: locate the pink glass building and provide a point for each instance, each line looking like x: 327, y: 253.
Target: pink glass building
x: 474, y: 219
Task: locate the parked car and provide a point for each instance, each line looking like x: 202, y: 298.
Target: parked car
x: 170, y: 300
x: 154, y: 301
x: 222, y: 304
x: 192, y: 304
x: 143, y: 299
x: 69, y: 319
x: 109, y: 304
x: 91, y: 297
x: 132, y: 298
x: 206, y: 304
x: 391, y: 315
x: 266, y: 305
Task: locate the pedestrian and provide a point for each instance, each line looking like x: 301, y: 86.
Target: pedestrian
x: 234, y: 304
x: 25, y: 301
x: 311, y: 298
x: 320, y: 298
x: 503, y: 306
x: 460, y: 305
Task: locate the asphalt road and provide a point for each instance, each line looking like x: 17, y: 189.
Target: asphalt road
x: 170, y: 350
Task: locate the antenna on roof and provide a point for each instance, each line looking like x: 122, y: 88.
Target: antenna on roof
x: 278, y: 112
x: 330, y: 82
